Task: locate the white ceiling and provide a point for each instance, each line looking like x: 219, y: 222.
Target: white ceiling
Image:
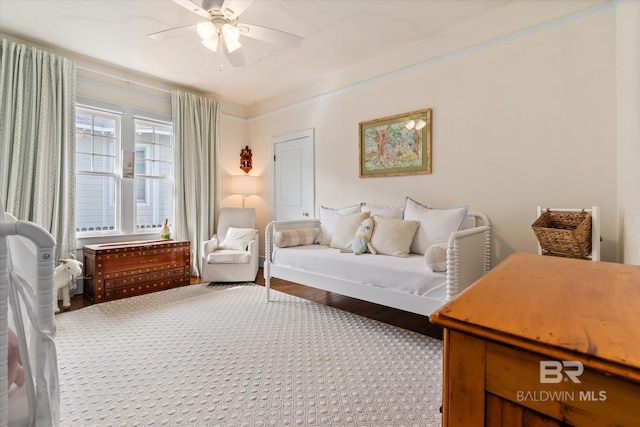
x: 337, y: 35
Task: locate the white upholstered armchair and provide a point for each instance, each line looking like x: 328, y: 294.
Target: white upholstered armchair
x: 232, y: 253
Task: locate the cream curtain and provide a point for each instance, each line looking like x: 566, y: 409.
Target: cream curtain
x: 197, y: 147
x: 37, y: 140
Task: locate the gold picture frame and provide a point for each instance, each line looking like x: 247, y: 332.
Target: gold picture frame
x: 396, y: 145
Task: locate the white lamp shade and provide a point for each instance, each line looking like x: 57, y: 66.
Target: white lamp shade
x: 232, y: 45
x: 244, y: 184
x: 211, y: 43
x: 206, y: 30
x: 231, y: 33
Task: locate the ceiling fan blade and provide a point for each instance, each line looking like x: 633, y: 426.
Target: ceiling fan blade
x: 269, y: 35
x: 189, y: 5
x: 172, y: 32
x: 211, y: 4
x: 236, y: 6
x: 236, y: 58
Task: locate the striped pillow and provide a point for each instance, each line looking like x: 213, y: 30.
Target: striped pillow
x: 296, y: 237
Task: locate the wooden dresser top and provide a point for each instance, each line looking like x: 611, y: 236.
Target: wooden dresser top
x: 572, y: 309
x: 150, y: 244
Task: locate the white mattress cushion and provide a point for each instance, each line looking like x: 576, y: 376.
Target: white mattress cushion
x: 409, y: 274
x: 227, y: 256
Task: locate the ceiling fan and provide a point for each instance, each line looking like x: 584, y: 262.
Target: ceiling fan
x: 221, y: 31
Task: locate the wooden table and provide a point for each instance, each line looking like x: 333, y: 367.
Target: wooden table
x: 120, y: 270
x: 544, y: 341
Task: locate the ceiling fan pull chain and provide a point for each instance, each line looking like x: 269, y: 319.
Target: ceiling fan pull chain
x: 221, y: 57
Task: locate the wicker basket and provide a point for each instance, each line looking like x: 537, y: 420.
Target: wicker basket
x: 564, y: 232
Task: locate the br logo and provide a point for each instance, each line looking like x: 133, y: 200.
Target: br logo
x: 553, y: 371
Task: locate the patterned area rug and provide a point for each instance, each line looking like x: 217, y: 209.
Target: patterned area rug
x: 222, y: 356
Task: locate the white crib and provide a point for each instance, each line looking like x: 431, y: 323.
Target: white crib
x: 26, y: 306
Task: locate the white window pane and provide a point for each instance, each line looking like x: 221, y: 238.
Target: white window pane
x: 104, y: 126
x: 103, y: 145
x: 84, y: 123
x: 164, y: 153
x: 140, y: 168
x: 142, y: 150
x: 148, y: 167
x: 83, y: 143
x: 144, y: 134
x: 162, y: 169
x: 163, y: 137
x: 141, y: 190
x: 158, y: 203
x: 95, y: 203
x: 103, y: 164
x: 83, y: 162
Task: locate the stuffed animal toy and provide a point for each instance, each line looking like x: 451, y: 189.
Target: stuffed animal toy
x: 62, y: 276
x: 14, y: 364
x: 362, y: 242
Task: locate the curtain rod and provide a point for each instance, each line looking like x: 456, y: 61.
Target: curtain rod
x: 122, y: 79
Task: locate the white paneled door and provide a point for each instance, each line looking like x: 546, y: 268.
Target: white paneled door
x: 294, y: 176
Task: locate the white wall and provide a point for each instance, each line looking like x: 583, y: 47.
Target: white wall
x: 628, y: 67
x: 519, y: 120
x: 524, y: 121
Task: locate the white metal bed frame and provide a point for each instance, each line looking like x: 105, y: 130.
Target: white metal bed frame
x: 468, y: 259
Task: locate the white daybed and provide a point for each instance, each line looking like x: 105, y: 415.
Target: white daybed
x: 405, y: 283
x: 27, y: 313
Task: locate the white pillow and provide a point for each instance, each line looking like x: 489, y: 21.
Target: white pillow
x: 328, y: 218
x: 346, y: 228
x: 238, y: 238
x: 436, y: 225
x: 388, y: 211
x: 393, y: 236
x: 436, y: 257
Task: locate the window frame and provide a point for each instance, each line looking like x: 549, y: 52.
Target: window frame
x: 126, y: 201
x: 151, y: 176
x: 101, y: 111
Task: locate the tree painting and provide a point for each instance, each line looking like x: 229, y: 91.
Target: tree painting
x: 394, y: 146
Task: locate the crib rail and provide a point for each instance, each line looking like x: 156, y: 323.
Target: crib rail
x: 42, y: 389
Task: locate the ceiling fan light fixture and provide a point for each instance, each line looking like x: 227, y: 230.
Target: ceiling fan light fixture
x: 230, y: 32
x: 206, y: 30
x: 211, y: 43
x: 232, y: 45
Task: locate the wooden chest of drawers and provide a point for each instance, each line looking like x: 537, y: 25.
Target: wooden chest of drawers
x: 121, y: 270
x: 544, y: 341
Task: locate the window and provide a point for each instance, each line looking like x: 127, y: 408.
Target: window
x: 108, y: 202
x: 97, y: 177
x: 153, y: 174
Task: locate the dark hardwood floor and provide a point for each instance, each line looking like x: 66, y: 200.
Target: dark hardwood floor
x: 402, y: 319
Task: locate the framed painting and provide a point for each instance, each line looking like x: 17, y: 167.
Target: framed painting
x: 396, y: 145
